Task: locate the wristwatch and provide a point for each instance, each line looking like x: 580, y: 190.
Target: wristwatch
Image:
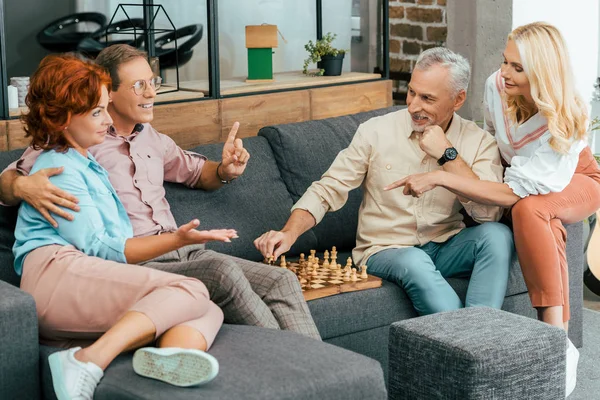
x: 449, y: 154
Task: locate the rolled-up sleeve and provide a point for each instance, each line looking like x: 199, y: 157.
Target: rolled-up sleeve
x: 346, y: 173
x: 546, y: 171
x: 488, y: 167
x: 87, y: 232
x: 181, y: 166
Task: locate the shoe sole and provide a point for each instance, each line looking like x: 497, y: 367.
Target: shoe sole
x: 56, y: 371
x: 182, y: 368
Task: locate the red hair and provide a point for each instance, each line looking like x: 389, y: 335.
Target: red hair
x: 62, y: 86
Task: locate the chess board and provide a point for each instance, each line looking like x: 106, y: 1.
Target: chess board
x: 324, y: 281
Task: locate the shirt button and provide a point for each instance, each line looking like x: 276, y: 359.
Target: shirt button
x: 135, y: 180
x: 388, y: 167
x: 148, y: 155
x: 424, y: 162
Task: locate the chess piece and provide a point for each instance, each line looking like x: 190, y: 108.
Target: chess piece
x: 354, y: 278
x: 349, y: 262
x: 301, y: 258
x: 282, y: 262
x: 346, y: 277
x: 326, y: 264
x: 363, y: 274
x: 326, y: 256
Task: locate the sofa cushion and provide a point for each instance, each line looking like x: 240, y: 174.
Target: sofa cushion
x: 255, y: 203
x: 254, y: 363
x: 304, y: 151
x: 8, y: 219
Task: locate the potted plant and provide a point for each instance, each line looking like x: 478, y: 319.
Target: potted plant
x: 329, y: 59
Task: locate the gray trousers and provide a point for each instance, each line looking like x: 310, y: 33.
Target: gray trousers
x: 249, y: 293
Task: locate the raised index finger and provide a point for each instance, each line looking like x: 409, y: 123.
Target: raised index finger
x: 233, y: 132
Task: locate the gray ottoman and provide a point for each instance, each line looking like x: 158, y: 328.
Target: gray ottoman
x: 476, y: 353
x: 254, y: 363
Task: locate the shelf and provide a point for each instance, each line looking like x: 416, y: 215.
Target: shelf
x: 161, y: 96
x: 182, y: 94
x: 281, y: 81
x: 15, y: 112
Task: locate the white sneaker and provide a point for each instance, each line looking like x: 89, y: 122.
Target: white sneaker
x: 179, y: 367
x: 71, y: 378
x: 572, y: 361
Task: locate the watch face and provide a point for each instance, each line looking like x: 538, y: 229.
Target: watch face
x: 451, y: 153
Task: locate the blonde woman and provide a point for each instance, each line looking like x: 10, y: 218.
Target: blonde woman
x: 551, y: 179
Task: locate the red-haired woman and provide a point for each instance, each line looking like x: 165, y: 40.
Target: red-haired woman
x: 81, y: 274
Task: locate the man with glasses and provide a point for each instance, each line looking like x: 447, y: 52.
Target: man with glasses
x: 138, y: 160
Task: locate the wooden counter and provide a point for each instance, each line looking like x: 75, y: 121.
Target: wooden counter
x: 281, y: 81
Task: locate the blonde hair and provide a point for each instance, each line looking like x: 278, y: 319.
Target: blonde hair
x: 547, y: 65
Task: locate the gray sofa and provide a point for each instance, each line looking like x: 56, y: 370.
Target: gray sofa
x: 285, y: 159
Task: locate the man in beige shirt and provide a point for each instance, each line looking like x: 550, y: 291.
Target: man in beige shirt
x: 417, y: 239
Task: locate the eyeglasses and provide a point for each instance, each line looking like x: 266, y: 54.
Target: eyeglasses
x: 140, y: 86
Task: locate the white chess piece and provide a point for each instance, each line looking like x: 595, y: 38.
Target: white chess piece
x: 354, y: 278
x: 346, y: 276
x: 363, y: 273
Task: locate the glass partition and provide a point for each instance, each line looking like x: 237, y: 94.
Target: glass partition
x: 33, y: 29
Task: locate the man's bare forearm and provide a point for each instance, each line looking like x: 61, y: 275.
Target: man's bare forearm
x: 299, y: 222
x: 7, y: 187
x: 209, y: 180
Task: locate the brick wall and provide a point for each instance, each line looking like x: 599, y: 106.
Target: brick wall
x: 415, y: 25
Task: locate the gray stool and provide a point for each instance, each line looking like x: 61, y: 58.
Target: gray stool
x: 476, y: 353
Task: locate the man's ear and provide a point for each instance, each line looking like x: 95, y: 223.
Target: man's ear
x: 460, y: 99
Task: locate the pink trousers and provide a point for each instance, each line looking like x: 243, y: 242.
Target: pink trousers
x: 540, y: 238
x: 78, y: 297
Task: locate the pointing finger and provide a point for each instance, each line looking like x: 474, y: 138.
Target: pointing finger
x: 233, y: 132
x: 396, y: 184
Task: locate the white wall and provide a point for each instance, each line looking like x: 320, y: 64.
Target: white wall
x: 578, y: 22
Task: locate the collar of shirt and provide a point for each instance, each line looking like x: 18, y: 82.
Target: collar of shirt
x: 83, y: 162
x: 136, y: 130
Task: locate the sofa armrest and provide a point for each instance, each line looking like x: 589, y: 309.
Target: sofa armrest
x: 19, y: 344
x: 575, y: 262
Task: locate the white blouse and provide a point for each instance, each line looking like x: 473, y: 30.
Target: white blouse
x: 535, y: 168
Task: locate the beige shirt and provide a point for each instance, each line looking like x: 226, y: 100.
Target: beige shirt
x: 384, y: 150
